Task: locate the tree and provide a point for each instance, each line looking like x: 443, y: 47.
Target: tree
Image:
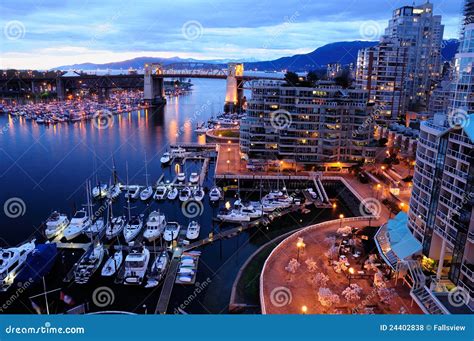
x: 292, y: 78
x: 344, y: 79
x: 378, y: 280
x: 327, y: 298
x: 332, y: 252
x: 386, y: 294
x: 312, y: 265
x: 352, y: 292
x: 344, y: 230
x: 312, y: 77
x: 320, y: 280
x: 292, y: 266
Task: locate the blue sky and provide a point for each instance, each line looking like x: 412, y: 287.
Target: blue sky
x: 47, y: 33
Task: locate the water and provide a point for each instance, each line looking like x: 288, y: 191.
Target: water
x: 47, y: 167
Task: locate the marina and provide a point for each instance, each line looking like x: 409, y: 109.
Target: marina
x: 116, y: 188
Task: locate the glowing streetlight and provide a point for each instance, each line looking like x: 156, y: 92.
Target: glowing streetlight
x: 304, y: 309
x: 341, y: 216
x: 334, y: 205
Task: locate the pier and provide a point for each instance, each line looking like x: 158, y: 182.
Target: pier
x: 168, y: 284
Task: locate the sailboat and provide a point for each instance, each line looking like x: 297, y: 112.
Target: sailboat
x: 148, y: 191
x: 115, y: 225
x: 112, y: 264
x: 89, y: 264
x: 114, y: 190
x: 79, y: 222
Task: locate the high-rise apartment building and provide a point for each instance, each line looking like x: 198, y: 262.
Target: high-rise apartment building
x: 400, y: 72
x: 441, y: 214
x: 320, y: 125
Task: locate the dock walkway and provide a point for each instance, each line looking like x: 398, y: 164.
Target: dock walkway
x: 168, y: 284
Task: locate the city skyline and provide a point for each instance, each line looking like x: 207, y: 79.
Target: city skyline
x: 36, y: 35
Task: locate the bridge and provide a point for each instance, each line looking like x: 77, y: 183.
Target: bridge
x: 15, y: 83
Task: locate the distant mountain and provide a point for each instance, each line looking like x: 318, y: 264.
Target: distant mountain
x: 341, y: 52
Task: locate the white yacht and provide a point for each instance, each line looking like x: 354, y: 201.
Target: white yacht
x: 251, y: 211
x: 146, y: 193
x: 99, y: 191
x: 158, y: 269
x: 133, y: 228
x: 135, y: 265
x: 55, y: 224
x: 154, y: 226
x: 198, y: 194
x: 215, y: 194
x: 133, y: 192
x: 171, y: 231
x: 114, y: 191
x: 79, y: 222
x: 185, y: 194
x: 234, y: 216
x: 161, y: 192
x: 115, y: 227
x: 95, y: 228
x: 193, y: 230
x: 112, y: 264
x: 178, y: 153
x: 194, y: 178
x: 11, y: 262
x: 181, y: 177
x: 165, y: 159
x: 173, y: 193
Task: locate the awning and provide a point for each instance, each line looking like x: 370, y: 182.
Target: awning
x: 402, y: 242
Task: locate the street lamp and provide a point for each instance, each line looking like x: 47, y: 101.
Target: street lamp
x: 304, y: 309
x: 228, y: 166
x: 351, y: 272
x: 341, y: 216
x: 299, y: 245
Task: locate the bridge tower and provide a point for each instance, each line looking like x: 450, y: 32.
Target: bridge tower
x: 235, y: 71
x: 153, y: 84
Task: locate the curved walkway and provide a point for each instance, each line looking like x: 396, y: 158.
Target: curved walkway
x: 281, y: 293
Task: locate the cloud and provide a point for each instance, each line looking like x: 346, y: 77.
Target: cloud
x: 92, y: 30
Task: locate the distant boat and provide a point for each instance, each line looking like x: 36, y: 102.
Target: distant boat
x: 198, y: 194
x: 193, y: 230
x: 165, y: 159
x: 184, y: 194
x: 39, y: 263
x: 215, y: 194
x: 161, y: 192
x: 194, y: 178
x: 133, y: 228
x: 173, y: 193
x: 171, y: 231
